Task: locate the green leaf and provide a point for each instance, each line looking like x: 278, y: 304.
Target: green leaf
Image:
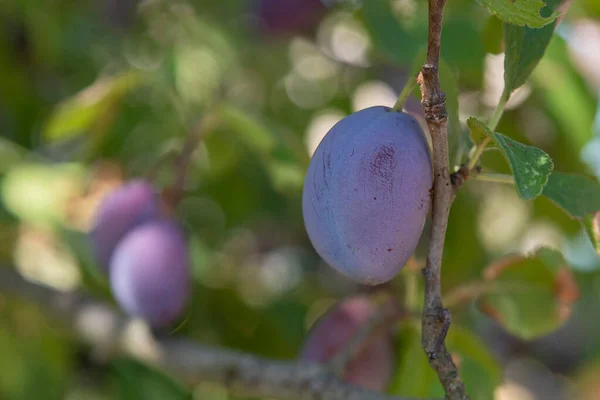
x: 79, y: 113
x: 479, y: 130
x: 519, y: 12
x: 524, y: 47
x: 534, y: 295
x: 140, y: 382
x: 479, y: 369
x: 492, y: 35
x: 387, y: 32
x: 530, y: 166
x: 576, y: 194
x: 592, y: 227
x: 413, y: 376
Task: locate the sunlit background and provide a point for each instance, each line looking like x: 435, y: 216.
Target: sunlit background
x: 95, y: 92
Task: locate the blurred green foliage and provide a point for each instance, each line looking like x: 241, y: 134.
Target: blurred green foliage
x: 95, y: 92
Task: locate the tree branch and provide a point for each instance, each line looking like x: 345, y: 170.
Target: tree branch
x: 101, y: 327
x: 436, y: 319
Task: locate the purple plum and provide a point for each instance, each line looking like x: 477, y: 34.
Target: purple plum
x: 122, y: 210
x: 367, y: 193
x: 150, y: 272
x: 283, y: 17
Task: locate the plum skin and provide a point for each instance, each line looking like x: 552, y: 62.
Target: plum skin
x: 150, y: 272
x: 367, y: 193
x: 122, y: 210
x: 373, y: 365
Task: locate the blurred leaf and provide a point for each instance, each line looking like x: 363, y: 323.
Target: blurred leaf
x: 413, y: 377
x: 480, y: 371
x: 576, y: 194
x: 140, y: 382
x: 586, y: 379
x: 524, y: 47
x: 537, y: 296
x: 10, y: 154
x: 592, y: 227
x: 36, y: 361
x: 79, y: 113
x: 461, y: 266
x: 530, y: 166
x: 463, y: 48
x: 93, y: 277
x: 387, y: 32
x: 492, y: 35
x: 251, y: 132
x: 519, y: 12
x: 569, y: 99
x: 284, y: 170
x: 459, y: 141
x: 286, y: 175
x: 39, y: 193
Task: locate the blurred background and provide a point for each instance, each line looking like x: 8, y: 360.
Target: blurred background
x: 95, y: 92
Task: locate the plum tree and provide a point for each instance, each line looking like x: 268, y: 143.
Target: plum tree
x: 150, y: 276
x: 373, y: 365
x: 366, y: 193
x: 282, y: 17
x: 121, y: 211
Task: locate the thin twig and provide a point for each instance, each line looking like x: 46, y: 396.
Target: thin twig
x: 202, y: 127
x: 471, y: 291
x: 411, y: 83
x: 100, y: 326
x: 436, y: 319
x: 173, y: 193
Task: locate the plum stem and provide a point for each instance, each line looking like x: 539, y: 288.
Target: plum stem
x: 435, y: 318
x: 492, y: 124
x: 497, y: 114
x: 499, y: 178
x: 411, y: 83
x: 242, y: 373
x: 479, y: 149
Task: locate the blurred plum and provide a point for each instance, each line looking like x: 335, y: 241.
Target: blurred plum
x: 284, y: 17
x: 372, y: 367
x: 122, y: 210
x: 150, y: 276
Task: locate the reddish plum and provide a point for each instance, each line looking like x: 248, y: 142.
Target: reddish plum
x: 373, y: 365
